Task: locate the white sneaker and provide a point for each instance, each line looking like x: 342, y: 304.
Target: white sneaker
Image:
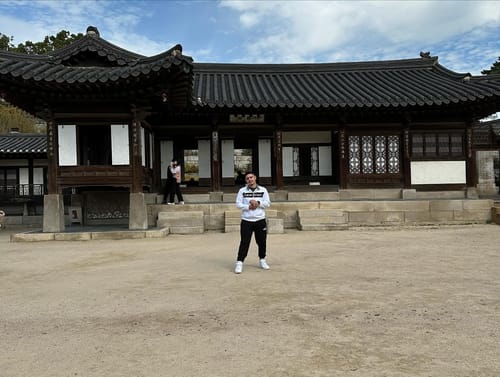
x: 170, y: 204
x: 238, y: 268
x: 181, y: 203
x: 264, y: 265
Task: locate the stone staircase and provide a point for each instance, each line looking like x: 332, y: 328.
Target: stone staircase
x: 182, y: 222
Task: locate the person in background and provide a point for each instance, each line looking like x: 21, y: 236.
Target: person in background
x: 174, y: 177
x: 240, y: 179
x: 252, y: 199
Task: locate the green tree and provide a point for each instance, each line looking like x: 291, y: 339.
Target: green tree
x: 49, y: 43
x: 495, y: 68
x: 10, y: 116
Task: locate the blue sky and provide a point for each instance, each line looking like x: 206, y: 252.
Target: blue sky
x: 464, y: 34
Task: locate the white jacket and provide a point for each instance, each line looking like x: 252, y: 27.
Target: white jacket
x: 243, y: 202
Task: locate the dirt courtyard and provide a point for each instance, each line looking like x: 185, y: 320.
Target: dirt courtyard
x: 421, y: 301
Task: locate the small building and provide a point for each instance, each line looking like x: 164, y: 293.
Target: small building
x: 115, y: 119
x: 23, y: 173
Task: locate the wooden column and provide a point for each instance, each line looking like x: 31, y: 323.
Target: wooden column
x: 52, y: 157
x: 406, y: 162
x: 470, y: 164
x: 216, y: 163
x: 278, y: 157
x: 136, y: 156
x: 343, y: 149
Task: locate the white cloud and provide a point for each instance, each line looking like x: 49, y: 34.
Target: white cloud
x: 308, y: 31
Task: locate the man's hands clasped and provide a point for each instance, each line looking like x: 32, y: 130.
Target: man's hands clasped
x: 254, y: 204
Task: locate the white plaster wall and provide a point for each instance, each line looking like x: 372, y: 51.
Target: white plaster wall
x: 325, y: 160
x: 296, y: 137
x: 67, y: 145
x: 204, y: 159
x: 38, y: 176
x: 287, y: 161
x: 437, y: 172
x: 166, y: 155
x: 120, y: 154
x: 265, y: 158
x: 24, y: 176
x: 227, y: 147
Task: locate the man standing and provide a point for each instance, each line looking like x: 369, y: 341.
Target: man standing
x: 252, y: 199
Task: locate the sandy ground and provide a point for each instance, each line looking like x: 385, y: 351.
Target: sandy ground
x: 364, y: 302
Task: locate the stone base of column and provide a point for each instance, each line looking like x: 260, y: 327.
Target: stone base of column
x: 53, y: 213
x: 138, y: 213
x: 215, y: 196
x: 487, y: 188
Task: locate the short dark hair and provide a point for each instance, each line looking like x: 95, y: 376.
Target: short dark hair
x: 250, y: 172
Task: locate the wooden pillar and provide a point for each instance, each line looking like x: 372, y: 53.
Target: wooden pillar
x: 30, y: 176
x: 470, y: 164
x: 343, y: 149
x: 52, y: 157
x: 136, y: 156
x: 216, y: 163
x: 406, y: 159
x: 278, y: 157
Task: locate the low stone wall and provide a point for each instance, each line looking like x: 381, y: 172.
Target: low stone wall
x: 359, y: 213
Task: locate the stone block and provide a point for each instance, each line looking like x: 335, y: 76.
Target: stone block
x: 474, y: 216
x: 175, y: 220
x: 409, y: 194
x: 495, y: 215
x: 117, y: 235
x: 321, y: 219
x: 157, y: 233
x: 417, y: 217
x: 31, y: 237
x: 138, y: 214
x: 53, y: 213
x: 442, y: 216
x: 446, y: 205
x: 76, y: 236
x: 186, y: 230
x: 477, y: 204
x: 229, y: 198
x: 280, y: 195
x: 215, y: 196
x: 275, y: 225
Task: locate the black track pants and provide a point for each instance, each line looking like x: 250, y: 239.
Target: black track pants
x: 259, y: 228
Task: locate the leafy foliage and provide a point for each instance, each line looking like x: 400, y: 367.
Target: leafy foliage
x: 49, y: 44
x: 10, y: 116
x: 495, y: 68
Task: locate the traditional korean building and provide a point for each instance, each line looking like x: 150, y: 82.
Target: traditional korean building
x: 116, y: 118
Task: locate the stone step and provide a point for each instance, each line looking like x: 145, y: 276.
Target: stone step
x: 182, y: 222
x: 322, y: 219
x: 495, y: 214
x: 275, y: 223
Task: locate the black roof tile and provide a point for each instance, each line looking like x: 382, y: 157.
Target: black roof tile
x: 13, y: 144
x: 396, y: 83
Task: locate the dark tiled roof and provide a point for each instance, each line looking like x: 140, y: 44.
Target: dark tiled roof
x: 493, y: 125
x: 51, y: 70
x: 399, y: 83
x: 92, y: 69
x: 13, y: 144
